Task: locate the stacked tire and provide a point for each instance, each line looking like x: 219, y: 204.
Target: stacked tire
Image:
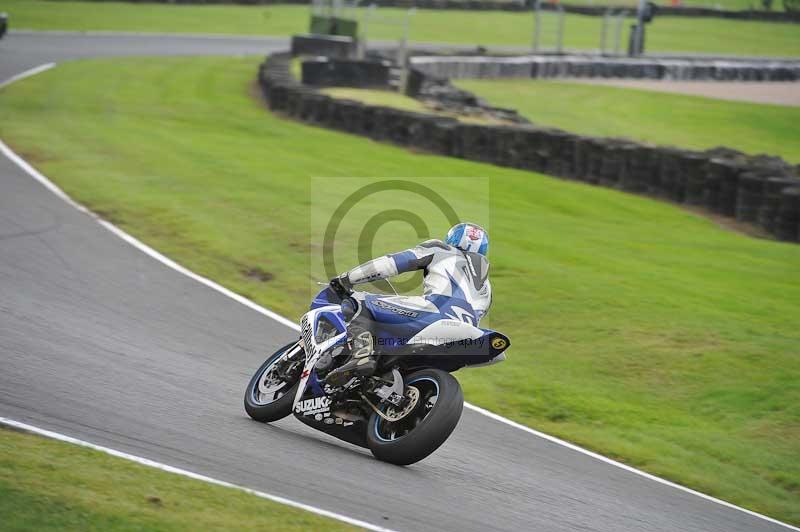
x: 787, y: 225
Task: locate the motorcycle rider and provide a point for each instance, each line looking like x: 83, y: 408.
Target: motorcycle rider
x: 455, y: 278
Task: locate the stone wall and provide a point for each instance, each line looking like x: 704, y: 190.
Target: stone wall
x: 585, y: 66
x: 760, y: 190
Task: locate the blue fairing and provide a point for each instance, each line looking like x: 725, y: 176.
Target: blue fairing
x: 389, y: 312
x: 314, y: 385
x: 393, y: 325
x: 335, y: 318
x: 324, y: 298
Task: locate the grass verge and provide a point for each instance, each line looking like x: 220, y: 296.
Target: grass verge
x: 640, y: 330
x: 49, y: 485
x: 685, y: 121
x: 672, y: 34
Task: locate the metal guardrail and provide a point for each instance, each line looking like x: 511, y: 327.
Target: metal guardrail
x: 613, y: 23
x: 334, y: 8
x: 371, y: 17
x: 539, y: 27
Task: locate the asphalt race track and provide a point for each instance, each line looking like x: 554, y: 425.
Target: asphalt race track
x: 101, y: 342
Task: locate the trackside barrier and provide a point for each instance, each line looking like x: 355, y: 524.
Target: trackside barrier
x: 577, y: 66
x: 324, y: 45
x: 760, y: 190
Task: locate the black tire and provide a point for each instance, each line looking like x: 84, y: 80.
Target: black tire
x: 280, y: 407
x: 424, y: 436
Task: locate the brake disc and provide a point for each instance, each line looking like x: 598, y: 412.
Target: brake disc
x: 269, y: 381
x: 394, y: 414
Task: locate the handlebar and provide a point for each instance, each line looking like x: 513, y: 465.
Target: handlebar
x: 341, y: 286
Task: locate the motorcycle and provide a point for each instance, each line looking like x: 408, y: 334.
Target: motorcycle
x: 407, y: 404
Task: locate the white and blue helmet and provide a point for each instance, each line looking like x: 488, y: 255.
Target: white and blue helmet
x: 468, y: 237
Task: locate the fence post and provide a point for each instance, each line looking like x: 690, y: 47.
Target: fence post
x: 537, y: 23
x: 618, y: 36
x: 604, y: 32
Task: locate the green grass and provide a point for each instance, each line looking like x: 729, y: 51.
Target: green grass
x: 674, y: 34
x: 47, y: 485
x: 640, y: 330
x: 685, y: 121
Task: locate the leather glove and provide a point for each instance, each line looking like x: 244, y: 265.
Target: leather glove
x: 341, y: 286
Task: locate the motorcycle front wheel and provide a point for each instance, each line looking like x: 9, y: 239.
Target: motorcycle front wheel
x: 434, y: 416
x: 270, y: 392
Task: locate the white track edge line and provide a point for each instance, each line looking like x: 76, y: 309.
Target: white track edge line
x: 31, y: 72
x: 285, y: 321
x: 185, y: 473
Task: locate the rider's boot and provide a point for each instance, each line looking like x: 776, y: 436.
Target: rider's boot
x: 362, y: 362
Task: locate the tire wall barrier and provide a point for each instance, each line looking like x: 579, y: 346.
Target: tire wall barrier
x: 329, y: 72
x: 506, y: 5
x: 575, y: 66
x: 324, y: 45
x: 761, y: 190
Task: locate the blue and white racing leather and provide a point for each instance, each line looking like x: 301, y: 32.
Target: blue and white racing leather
x: 450, y: 274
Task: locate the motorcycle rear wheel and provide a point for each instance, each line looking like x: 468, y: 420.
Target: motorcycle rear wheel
x: 426, y: 427
x: 269, y: 399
